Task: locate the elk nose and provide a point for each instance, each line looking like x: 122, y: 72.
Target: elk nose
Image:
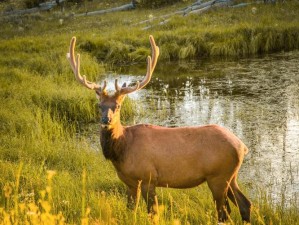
x: 106, y: 120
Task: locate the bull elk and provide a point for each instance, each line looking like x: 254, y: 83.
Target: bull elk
x: 181, y: 157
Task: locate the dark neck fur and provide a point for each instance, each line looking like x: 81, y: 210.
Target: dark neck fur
x: 113, y: 143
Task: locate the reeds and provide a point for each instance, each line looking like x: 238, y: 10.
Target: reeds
x: 225, y: 33
x: 194, y: 206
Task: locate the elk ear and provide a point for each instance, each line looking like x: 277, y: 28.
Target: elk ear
x: 98, y: 95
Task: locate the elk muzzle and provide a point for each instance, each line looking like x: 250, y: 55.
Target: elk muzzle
x: 107, y: 117
x: 105, y: 120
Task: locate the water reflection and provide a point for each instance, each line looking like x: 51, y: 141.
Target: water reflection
x: 255, y: 98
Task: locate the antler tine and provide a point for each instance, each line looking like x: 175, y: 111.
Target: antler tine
x: 75, y: 65
x: 155, y: 52
x: 125, y: 90
x: 151, y: 64
x: 103, y: 89
x: 117, y: 87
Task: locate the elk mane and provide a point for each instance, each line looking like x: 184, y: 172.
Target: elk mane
x: 113, y: 147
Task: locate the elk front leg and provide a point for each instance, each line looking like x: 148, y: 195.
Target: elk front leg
x: 149, y: 193
x: 132, y: 197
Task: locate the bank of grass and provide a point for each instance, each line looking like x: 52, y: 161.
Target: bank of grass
x: 119, y: 38
x: 43, y: 111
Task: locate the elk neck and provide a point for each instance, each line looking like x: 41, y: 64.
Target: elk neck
x: 113, y: 142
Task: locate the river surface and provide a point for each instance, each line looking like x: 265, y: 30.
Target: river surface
x: 256, y: 98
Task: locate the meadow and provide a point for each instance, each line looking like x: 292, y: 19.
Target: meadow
x: 52, y: 170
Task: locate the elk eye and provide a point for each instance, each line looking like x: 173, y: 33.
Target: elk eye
x: 117, y: 106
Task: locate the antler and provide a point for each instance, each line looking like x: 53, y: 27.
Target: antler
x: 75, y: 65
x: 151, y: 64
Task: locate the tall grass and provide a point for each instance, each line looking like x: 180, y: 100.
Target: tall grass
x: 225, y: 33
x: 222, y: 32
x: 89, y: 205
x: 50, y: 172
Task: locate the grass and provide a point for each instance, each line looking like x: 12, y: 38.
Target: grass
x: 50, y: 171
x: 227, y: 33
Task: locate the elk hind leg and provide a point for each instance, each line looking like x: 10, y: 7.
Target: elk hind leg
x: 219, y: 192
x: 240, y: 200
x: 227, y: 207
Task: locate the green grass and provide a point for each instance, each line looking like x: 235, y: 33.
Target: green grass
x: 224, y: 32
x: 45, y: 113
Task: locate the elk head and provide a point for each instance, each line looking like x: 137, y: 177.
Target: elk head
x: 110, y: 104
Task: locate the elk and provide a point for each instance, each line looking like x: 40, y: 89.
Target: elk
x: 177, y: 157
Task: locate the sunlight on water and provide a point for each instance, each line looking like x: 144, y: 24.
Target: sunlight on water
x: 255, y: 98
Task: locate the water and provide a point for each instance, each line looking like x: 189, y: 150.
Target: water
x: 255, y: 98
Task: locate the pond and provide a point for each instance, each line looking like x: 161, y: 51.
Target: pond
x: 256, y: 98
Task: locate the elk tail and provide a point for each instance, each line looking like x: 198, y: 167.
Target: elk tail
x: 245, y: 150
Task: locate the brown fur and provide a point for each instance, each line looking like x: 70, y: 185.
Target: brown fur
x: 167, y: 157
x: 182, y: 157
x: 113, y: 148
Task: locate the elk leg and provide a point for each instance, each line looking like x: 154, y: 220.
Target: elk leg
x: 219, y: 192
x: 227, y: 207
x: 132, y: 196
x: 240, y: 200
x: 148, y: 193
